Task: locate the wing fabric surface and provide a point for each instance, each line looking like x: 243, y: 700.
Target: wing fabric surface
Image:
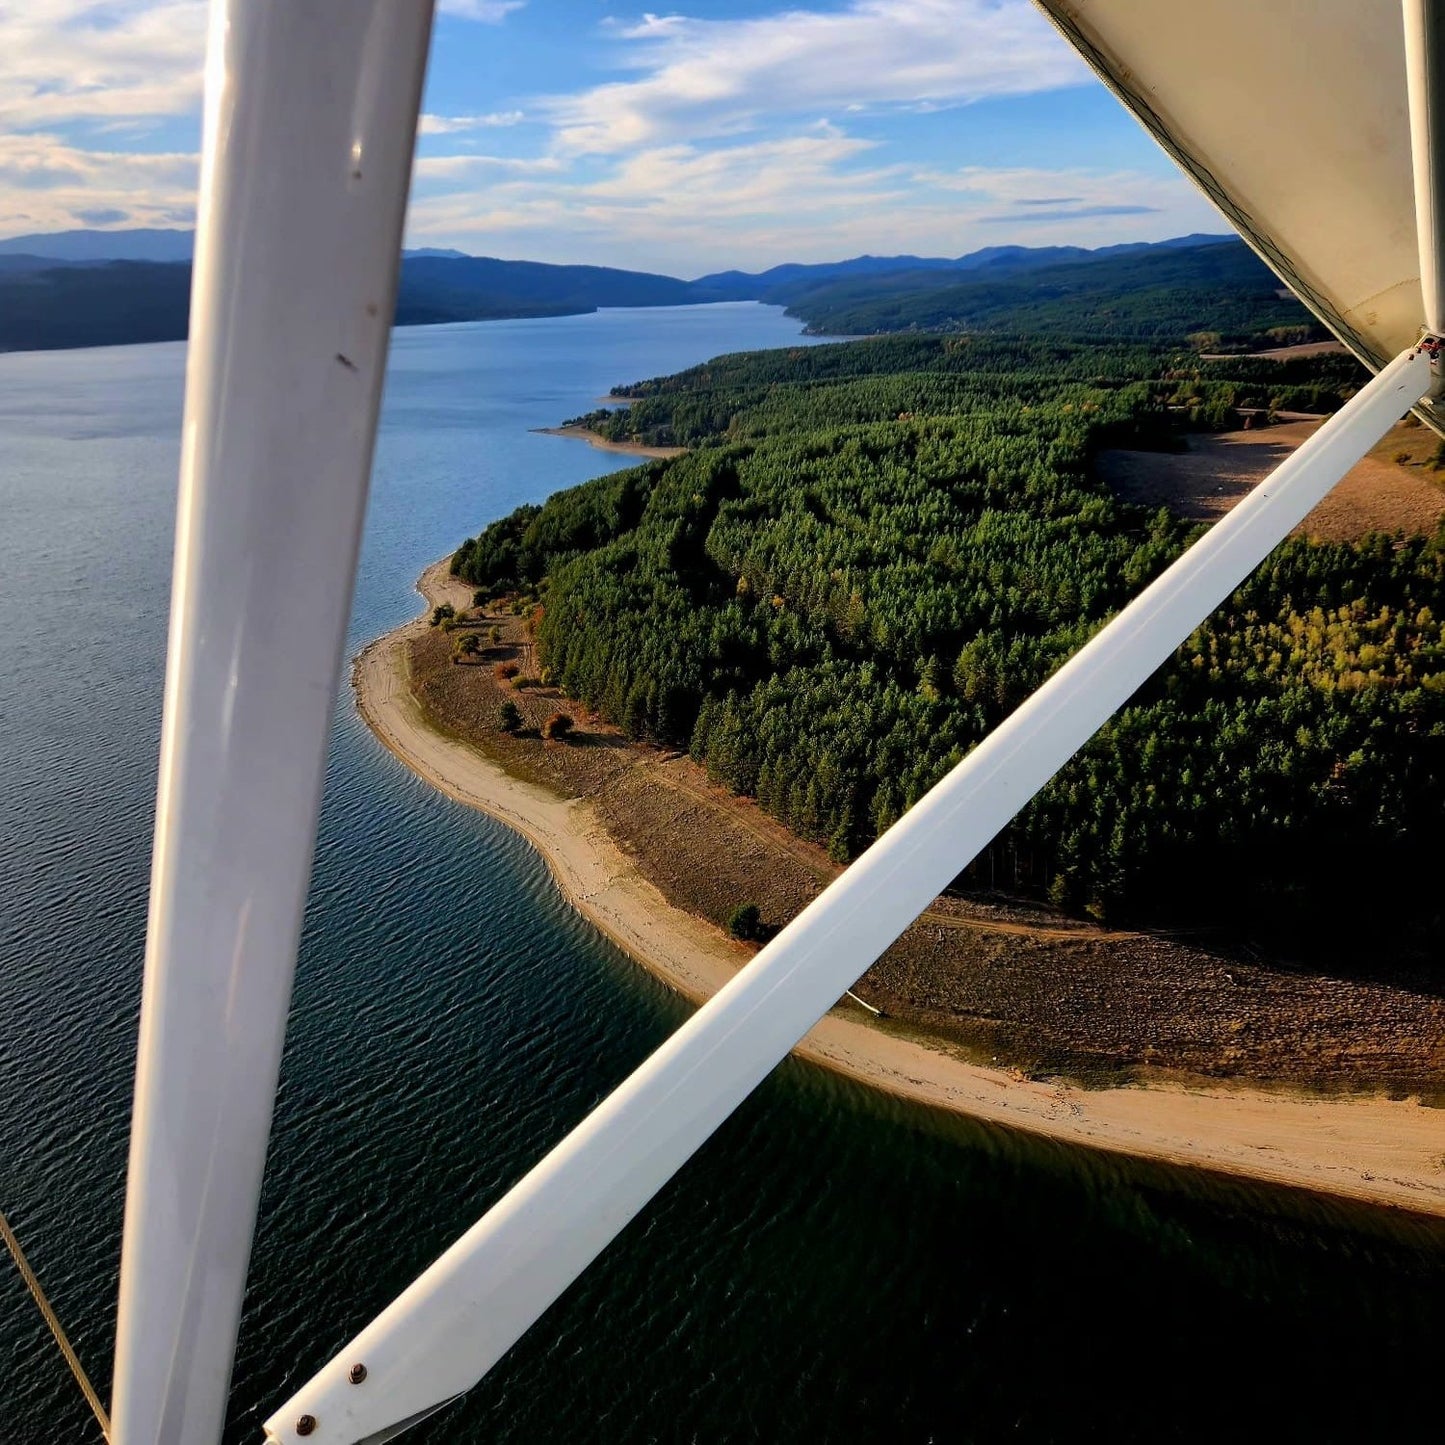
x: 1293, y: 118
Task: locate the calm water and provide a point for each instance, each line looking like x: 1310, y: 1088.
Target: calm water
x: 832, y: 1267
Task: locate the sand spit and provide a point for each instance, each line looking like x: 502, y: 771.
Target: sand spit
x: 1375, y: 1150
x: 596, y: 439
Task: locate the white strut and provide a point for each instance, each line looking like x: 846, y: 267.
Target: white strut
x: 456, y: 1321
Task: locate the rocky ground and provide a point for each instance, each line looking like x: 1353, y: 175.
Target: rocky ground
x: 1001, y: 980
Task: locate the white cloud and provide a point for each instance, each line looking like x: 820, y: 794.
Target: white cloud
x: 123, y: 60
x: 472, y: 167
x: 735, y: 182
x: 719, y: 77
x: 490, y: 12
x: 1031, y: 196
x: 69, y: 60
x: 47, y: 184
x: 724, y: 142
x: 667, y: 188
x: 687, y: 209
x: 454, y: 124
x: 722, y: 145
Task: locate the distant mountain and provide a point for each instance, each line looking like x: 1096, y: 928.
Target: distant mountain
x: 47, y: 304
x: 96, y: 247
x: 111, y: 303
x: 91, y: 246
x: 755, y: 286
x: 1157, y: 293
x: 12, y: 265
x: 1193, y: 283
x: 479, y: 288
x: 784, y: 284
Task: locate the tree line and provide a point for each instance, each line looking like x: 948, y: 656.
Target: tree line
x: 830, y: 613
x: 1221, y: 294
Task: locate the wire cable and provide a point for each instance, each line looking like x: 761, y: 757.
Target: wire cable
x: 38, y: 1294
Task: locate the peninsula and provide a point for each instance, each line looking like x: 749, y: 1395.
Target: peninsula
x: 1363, y: 1147
x: 703, y: 684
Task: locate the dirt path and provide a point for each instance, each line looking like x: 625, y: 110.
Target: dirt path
x: 1387, y: 1152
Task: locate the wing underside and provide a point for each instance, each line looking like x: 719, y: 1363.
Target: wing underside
x: 1293, y: 118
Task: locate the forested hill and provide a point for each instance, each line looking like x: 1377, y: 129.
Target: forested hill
x: 1162, y: 294
x: 758, y: 393
x: 48, y: 306
x: 783, y: 285
x: 46, y: 303
x: 876, y: 550
x: 479, y: 288
x: 79, y: 297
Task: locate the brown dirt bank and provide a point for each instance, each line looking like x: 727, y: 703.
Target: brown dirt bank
x: 1027, y: 989
x: 648, y: 849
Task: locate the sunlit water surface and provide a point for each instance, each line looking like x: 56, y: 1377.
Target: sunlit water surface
x: 832, y: 1267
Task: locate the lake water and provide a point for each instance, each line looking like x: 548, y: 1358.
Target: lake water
x: 832, y: 1267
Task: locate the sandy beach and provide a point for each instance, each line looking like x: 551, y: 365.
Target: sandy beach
x: 596, y: 439
x: 1371, y: 1149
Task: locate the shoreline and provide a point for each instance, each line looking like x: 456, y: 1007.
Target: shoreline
x: 603, y: 444
x: 1363, y: 1148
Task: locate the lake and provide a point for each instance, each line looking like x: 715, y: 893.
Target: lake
x: 833, y: 1266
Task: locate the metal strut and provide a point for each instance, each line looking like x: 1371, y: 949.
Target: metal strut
x: 453, y: 1324
x: 52, y: 1319
x: 310, y: 113
x: 448, y: 1329
x: 1424, y: 75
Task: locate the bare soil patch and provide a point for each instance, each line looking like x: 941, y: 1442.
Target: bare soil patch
x: 1379, y: 494
x: 1287, y: 353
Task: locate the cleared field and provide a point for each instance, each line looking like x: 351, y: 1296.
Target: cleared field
x: 1380, y: 494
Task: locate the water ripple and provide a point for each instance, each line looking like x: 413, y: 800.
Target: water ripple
x: 832, y: 1267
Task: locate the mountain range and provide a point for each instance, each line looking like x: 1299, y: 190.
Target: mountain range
x: 794, y: 280
x: 83, y: 248
x: 95, y: 288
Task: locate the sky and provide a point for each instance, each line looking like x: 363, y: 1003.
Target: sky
x: 727, y: 133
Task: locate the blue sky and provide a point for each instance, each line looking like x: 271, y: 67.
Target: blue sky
x: 716, y: 135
